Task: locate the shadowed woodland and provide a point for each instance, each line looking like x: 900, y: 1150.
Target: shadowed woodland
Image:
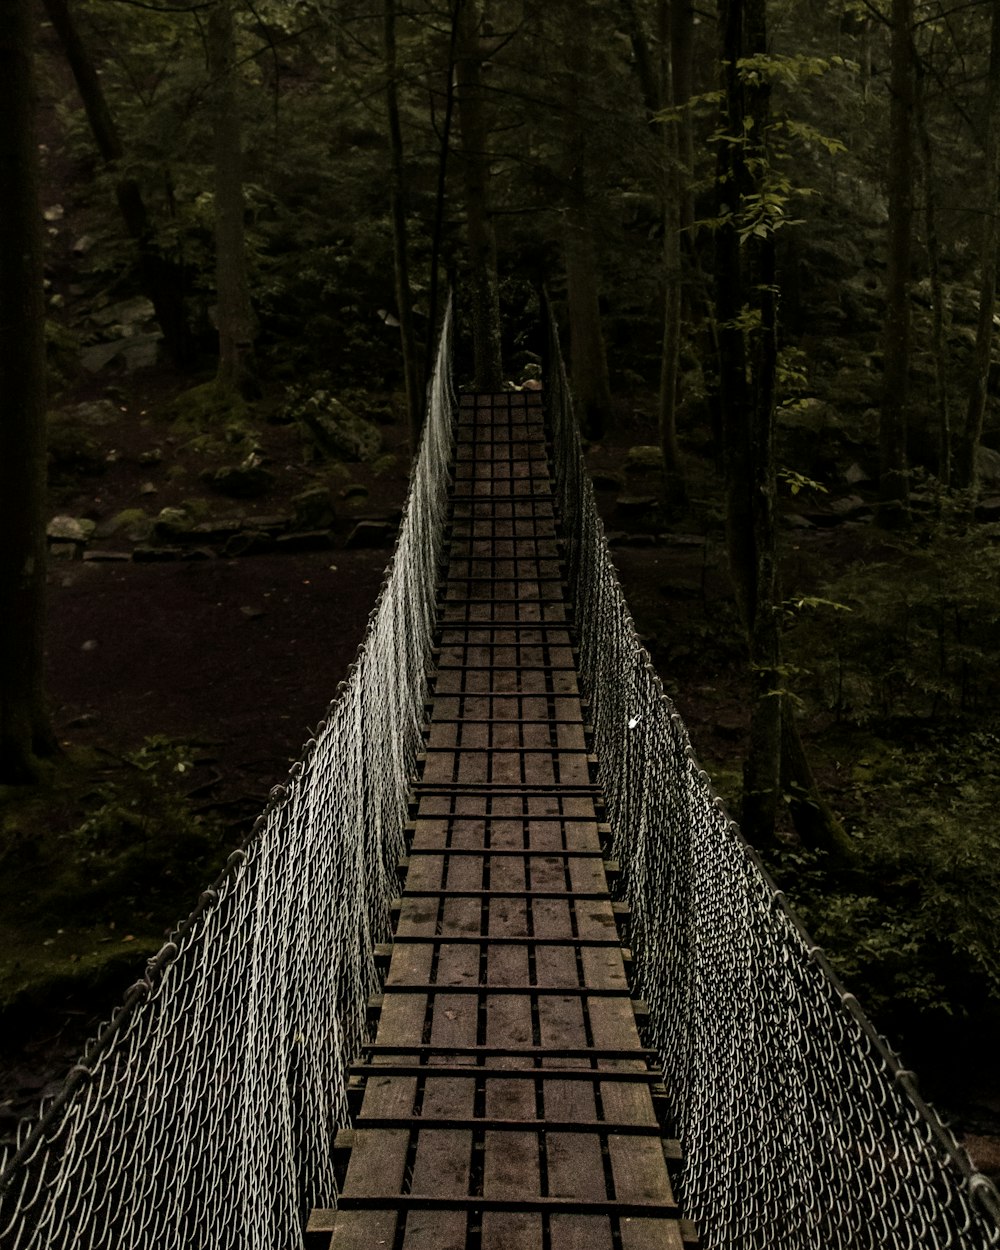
x: 227, y: 235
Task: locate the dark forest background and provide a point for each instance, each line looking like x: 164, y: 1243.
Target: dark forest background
x: 768, y: 231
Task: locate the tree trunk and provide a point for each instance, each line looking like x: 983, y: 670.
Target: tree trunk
x: 437, y: 233
x: 160, y: 278
x: 674, y: 490
x: 234, y: 315
x: 893, y: 473
x: 937, y: 289
x: 24, y: 726
x: 746, y: 308
x: 404, y: 295
x: 486, y: 336
x: 972, y: 431
x: 588, y: 353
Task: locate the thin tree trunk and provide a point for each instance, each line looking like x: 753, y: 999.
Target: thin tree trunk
x: 234, y: 317
x: 893, y: 473
x: 437, y: 233
x: 588, y: 353
x: 674, y: 490
x: 161, y: 279
x: 746, y: 276
x: 937, y: 288
x: 24, y: 726
x: 972, y: 431
x: 404, y: 295
x: 481, y: 235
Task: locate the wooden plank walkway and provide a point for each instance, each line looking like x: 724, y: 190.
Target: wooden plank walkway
x: 507, y: 1102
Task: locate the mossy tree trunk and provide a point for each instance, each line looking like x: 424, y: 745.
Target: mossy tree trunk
x: 480, y: 233
x: 25, y: 732
x: 161, y: 278
x: 235, y: 319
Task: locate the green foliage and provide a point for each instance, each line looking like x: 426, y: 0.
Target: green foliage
x: 921, y: 638
x: 913, y: 932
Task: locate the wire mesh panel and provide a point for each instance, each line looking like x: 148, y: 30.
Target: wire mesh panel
x: 204, y: 1114
x: 800, y: 1130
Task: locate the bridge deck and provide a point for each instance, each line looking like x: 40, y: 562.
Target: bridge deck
x: 508, y: 1101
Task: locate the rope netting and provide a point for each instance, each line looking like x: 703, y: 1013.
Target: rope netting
x: 204, y: 1114
x: 800, y: 1129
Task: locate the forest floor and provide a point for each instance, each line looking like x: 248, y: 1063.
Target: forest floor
x: 207, y: 672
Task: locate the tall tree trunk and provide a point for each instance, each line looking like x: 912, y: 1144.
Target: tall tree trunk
x: 682, y: 66
x: 746, y: 284
x: 482, y: 243
x: 437, y: 232
x: 24, y: 727
x: 588, y: 353
x: 404, y: 295
x: 674, y: 491
x: 161, y: 278
x: 893, y: 472
x: 234, y: 316
x: 937, y: 288
x: 972, y: 431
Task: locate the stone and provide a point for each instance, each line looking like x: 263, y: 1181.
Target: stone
x: 642, y: 458
x: 355, y: 491
x: 64, y: 551
x: 635, y: 505
x: 70, y: 529
x: 243, y: 481
x: 638, y: 540
x: 794, y: 521
x: 97, y: 413
x: 336, y: 430
x: 370, y: 534
x: 988, y: 509
x: 198, y: 553
x: 219, y: 530
x: 84, y: 244
x: 172, y: 523
x: 133, y: 523
x: 305, y: 540
x: 147, y: 488
x: 314, y: 508
x: 607, y: 479
x: 153, y: 456
x: 106, y: 557
x: 852, y: 506
x: 249, y: 543
x: 125, y: 313
x: 988, y: 466
x: 855, y: 475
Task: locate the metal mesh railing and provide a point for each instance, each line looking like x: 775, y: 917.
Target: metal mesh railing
x: 204, y: 1115
x: 800, y: 1130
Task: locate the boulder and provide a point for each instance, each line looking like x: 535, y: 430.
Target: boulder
x: 314, y: 509
x: 173, y: 523
x: 69, y: 529
x: 988, y: 466
x: 335, y: 429
x: 248, y: 480
x: 607, y: 479
x: 370, y: 534
x: 643, y: 458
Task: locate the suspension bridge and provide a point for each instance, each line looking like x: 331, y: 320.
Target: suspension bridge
x: 494, y: 970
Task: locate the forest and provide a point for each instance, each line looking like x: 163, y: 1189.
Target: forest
x: 228, y: 233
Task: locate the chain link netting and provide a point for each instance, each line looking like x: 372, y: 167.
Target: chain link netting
x: 204, y: 1114
x: 800, y: 1130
